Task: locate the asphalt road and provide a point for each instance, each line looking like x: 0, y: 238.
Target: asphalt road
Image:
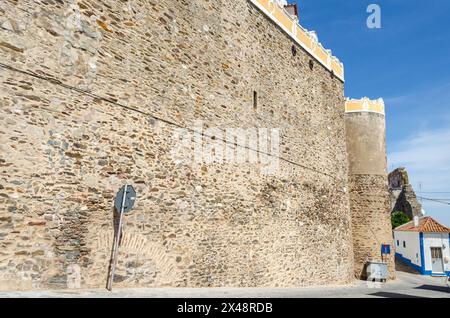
x: 407, y: 285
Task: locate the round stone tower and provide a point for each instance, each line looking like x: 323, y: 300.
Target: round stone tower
x: 368, y: 182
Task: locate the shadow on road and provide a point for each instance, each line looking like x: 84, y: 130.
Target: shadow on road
x: 394, y: 295
x: 442, y: 289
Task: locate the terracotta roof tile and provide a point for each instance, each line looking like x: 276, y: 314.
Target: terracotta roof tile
x: 426, y: 225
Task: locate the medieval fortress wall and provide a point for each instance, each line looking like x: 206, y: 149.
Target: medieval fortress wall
x: 93, y: 94
x: 369, y: 197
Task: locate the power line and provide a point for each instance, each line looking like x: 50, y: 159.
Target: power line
x: 58, y: 82
x: 420, y: 190
x: 435, y: 199
x: 432, y: 192
x: 442, y: 201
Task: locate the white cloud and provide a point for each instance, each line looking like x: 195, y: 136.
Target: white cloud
x: 438, y: 94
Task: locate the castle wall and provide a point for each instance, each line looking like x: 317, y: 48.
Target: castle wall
x: 369, y: 197
x: 402, y: 195
x: 92, y: 93
x: 398, y: 178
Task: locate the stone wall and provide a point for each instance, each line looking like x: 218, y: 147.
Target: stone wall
x: 371, y: 221
x: 92, y: 92
x: 398, y: 178
x: 369, y: 197
x: 402, y: 195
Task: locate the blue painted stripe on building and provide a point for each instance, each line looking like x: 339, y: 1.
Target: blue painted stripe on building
x: 421, y: 268
x: 418, y: 268
x: 448, y: 266
x: 422, y: 255
x: 438, y: 274
x: 447, y: 273
x: 409, y: 262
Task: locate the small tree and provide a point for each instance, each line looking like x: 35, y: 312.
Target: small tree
x: 399, y: 218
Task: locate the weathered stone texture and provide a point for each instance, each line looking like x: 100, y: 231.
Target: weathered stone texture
x: 371, y: 220
x: 80, y: 81
x: 398, y: 178
x: 368, y: 183
x: 402, y: 195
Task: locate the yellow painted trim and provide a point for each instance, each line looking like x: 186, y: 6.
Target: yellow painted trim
x: 337, y: 68
x: 265, y: 4
x: 365, y: 105
x: 283, y: 19
x: 322, y: 54
x: 300, y: 35
x: 304, y: 38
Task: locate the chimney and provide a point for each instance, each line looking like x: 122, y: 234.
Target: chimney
x: 416, y: 221
x: 292, y: 9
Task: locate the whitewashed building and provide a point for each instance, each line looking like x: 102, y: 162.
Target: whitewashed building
x: 424, y: 244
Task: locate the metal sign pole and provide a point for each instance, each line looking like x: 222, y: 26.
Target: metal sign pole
x: 116, y: 242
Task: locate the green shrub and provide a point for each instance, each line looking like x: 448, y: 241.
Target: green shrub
x: 399, y: 218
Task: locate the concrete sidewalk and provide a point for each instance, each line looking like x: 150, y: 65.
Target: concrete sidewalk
x: 407, y: 285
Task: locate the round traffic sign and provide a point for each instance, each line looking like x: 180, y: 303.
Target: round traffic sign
x: 130, y: 198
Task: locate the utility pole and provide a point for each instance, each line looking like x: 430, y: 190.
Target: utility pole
x: 420, y: 191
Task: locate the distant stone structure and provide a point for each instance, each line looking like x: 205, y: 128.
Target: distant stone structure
x: 92, y: 95
x: 402, y: 195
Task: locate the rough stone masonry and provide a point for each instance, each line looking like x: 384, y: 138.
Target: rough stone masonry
x: 401, y: 194
x: 91, y: 93
x: 369, y: 196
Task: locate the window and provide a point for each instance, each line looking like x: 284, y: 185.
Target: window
x: 398, y: 242
x: 404, y: 244
x: 255, y: 100
x: 436, y: 252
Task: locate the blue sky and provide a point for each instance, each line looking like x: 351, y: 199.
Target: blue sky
x: 407, y: 62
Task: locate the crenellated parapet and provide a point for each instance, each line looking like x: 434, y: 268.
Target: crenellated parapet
x: 365, y: 126
x: 365, y: 105
x: 306, y: 39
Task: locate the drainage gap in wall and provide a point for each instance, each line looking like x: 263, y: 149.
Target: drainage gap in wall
x: 294, y: 50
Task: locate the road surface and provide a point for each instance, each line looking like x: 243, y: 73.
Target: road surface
x: 407, y: 285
